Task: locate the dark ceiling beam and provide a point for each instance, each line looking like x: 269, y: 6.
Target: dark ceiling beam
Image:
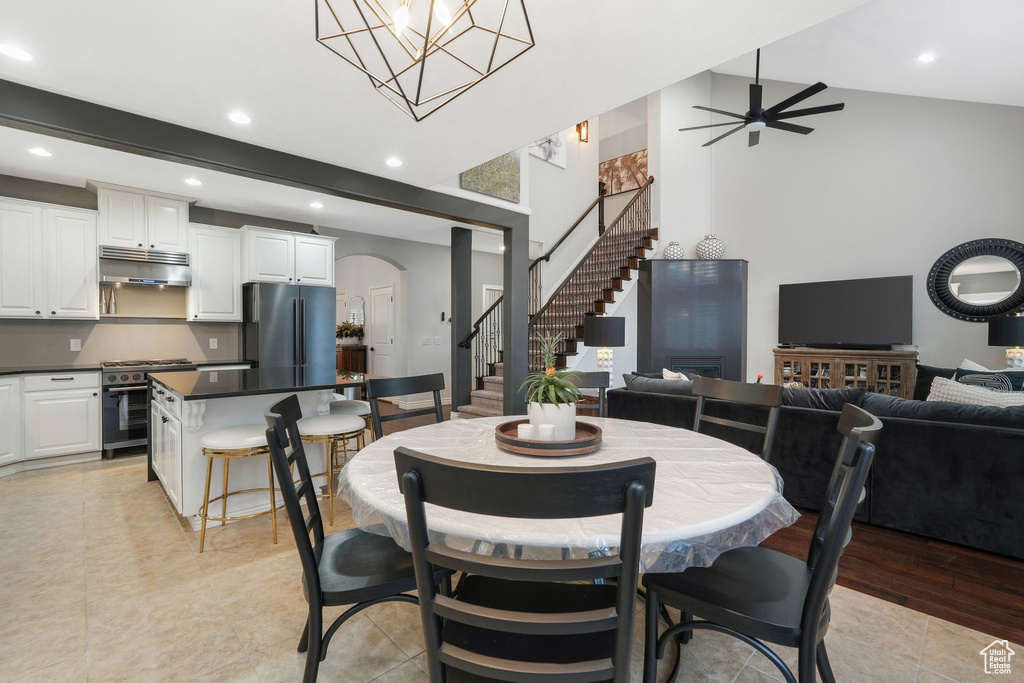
x: 41, y: 111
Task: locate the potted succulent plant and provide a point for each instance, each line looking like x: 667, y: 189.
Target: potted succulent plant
x: 350, y: 333
x: 551, y: 394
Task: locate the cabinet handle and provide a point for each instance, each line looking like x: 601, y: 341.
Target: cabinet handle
x: 62, y: 379
x: 289, y: 279
x: 170, y: 399
x: 299, y: 280
x: 160, y: 393
x: 95, y: 394
x: 163, y: 418
x: 53, y: 312
x: 140, y: 244
x: 37, y: 312
x: 152, y: 246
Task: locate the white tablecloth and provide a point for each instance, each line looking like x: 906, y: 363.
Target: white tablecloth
x: 709, y: 496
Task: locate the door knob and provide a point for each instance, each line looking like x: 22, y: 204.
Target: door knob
x: 371, y: 348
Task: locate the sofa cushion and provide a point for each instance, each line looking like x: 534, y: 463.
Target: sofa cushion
x: 925, y: 375
x: 883, y: 406
x: 822, y: 399
x: 1002, y: 380
x: 656, y: 385
x: 652, y: 375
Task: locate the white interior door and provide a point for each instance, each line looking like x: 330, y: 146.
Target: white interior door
x: 341, y: 306
x: 381, y: 329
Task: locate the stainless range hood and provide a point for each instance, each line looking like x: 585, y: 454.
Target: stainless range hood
x: 144, y: 267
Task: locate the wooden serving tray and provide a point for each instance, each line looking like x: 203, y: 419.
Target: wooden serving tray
x: 588, y: 440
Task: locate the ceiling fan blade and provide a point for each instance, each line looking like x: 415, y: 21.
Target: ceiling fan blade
x: 725, y: 135
x: 719, y: 111
x: 790, y: 127
x: 753, y: 138
x: 713, y: 125
x: 795, y: 99
x: 824, y: 109
x: 755, y: 99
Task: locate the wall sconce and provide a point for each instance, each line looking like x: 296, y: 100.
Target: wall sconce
x: 582, y: 131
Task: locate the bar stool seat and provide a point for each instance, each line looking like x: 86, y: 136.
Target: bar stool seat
x: 350, y: 407
x: 333, y: 431
x: 227, y: 444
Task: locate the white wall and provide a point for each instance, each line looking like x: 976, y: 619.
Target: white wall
x: 882, y: 188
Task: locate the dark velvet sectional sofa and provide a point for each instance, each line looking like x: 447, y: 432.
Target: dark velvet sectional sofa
x: 943, y: 470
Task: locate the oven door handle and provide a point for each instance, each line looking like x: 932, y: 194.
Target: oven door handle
x: 120, y: 389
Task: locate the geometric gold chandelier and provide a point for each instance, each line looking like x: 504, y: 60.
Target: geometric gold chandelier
x: 422, y: 54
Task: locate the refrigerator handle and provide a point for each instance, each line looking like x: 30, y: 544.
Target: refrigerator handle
x: 256, y: 303
x: 303, y: 303
x: 296, y: 332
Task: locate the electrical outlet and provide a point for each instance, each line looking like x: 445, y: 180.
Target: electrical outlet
x: 76, y: 344
x: 425, y: 341
x: 437, y: 341
x: 213, y: 342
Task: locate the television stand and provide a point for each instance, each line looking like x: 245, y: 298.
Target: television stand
x: 893, y: 373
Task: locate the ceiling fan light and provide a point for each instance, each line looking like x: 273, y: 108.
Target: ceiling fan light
x: 755, y: 126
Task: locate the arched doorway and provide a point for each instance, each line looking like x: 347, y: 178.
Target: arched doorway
x: 376, y: 283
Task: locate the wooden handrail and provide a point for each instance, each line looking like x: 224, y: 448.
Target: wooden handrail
x: 579, y: 265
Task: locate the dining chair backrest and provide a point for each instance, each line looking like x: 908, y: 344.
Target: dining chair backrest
x: 593, y: 380
x: 527, y: 493
x: 765, y: 395
x: 286, y: 451
x: 403, y: 386
x: 860, y: 430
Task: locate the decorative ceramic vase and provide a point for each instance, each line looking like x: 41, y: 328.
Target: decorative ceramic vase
x: 348, y: 341
x: 710, y: 248
x: 673, y: 251
x: 561, y: 415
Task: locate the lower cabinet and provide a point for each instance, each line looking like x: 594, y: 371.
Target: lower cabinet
x: 166, y: 447
x: 62, y: 421
x: 10, y: 420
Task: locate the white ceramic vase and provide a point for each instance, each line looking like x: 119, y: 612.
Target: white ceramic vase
x: 562, y: 416
x: 710, y: 248
x: 348, y: 341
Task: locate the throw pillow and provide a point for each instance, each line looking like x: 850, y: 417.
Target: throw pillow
x: 969, y: 364
x: 1006, y: 380
x: 925, y: 375
x: 650, y: 385
x: 668, y: 374
x: 955, y: 392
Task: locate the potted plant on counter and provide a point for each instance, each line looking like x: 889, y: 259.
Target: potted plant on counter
x: 350, y: 333
x: 551, y: 394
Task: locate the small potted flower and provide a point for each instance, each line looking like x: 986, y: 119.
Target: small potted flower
x: 350, y: 333
x: 551, y: 394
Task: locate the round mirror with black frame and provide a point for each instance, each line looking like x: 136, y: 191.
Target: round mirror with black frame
x: 979, y: 280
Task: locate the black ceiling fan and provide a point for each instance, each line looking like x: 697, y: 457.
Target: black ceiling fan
x: 757, y: 119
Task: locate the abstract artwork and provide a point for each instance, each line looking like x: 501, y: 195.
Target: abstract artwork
x: 552, y: 148
x: 625, y: 173
x: 495, y: 178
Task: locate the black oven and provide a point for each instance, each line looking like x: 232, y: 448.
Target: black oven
x: 125, y: 417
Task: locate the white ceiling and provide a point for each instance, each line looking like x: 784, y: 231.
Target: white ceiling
x: 192, y: 61
x: 74, y: 163
x: 979, y: 54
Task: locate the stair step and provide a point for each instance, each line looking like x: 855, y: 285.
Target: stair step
x: 599, y: 307
x: 494, y: 384
x: 640, y: 252
x: 471, y: 412
x: 617, y: 284
x: 648, y: 243
x: 609, y: 295
x: 487, y: 399
x: 654, y: 232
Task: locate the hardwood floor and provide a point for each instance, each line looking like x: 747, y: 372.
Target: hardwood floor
x: 979, y: 590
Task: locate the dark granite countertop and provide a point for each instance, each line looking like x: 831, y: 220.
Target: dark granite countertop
x: 44, y: 369
x: 194, y: 385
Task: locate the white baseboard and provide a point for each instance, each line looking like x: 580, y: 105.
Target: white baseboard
x: 406, y: 404
x: 43, y: 463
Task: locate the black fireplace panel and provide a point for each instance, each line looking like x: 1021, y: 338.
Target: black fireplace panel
x: 692, y: 317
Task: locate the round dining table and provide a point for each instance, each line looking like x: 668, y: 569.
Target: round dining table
x: 709, y: 495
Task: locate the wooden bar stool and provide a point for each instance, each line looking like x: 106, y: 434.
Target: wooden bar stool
x: 334, y: 431
x: 346, y: 406
x: 243, y: 441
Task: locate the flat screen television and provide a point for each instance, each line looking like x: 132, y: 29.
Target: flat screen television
x: 858, y: 314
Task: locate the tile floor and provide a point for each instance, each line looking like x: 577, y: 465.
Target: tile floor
x: 100, y: 581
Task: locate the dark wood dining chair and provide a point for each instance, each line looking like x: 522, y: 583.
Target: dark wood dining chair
x: 403, y: 386
x: 594, y: 380
x: 765, y: 395
x: 757, y: 594
x: 349, y: 567
x: 510, y: 620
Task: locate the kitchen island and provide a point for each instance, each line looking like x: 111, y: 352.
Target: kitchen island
x: 185, y: 406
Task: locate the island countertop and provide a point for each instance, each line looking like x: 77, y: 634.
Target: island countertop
x: 197, y: 386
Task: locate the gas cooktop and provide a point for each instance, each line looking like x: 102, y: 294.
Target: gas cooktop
x: 144, y: 363
x: 132, y: 372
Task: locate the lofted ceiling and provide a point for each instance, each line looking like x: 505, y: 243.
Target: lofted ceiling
x: 191, y: 62
x: 976, y: 45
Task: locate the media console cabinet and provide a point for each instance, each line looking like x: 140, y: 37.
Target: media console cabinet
x: 884, y: 372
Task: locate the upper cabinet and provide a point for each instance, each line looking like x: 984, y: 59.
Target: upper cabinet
x: 282, y: 256
x: 140, y: 220
x: 216, y: 291
x: 47, y: 262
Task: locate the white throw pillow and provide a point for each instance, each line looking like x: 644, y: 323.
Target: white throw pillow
x: 668, y: 374
x: 971, y: 365
x: 954, y: 392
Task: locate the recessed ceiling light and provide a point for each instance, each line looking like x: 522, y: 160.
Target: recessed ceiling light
x: 240, y: 117
x: 926, y: 57
x: 15, y: 52
x: 317, y: 205
x: 193, y: 181
x: 40, y: 152
x: 394, y: 162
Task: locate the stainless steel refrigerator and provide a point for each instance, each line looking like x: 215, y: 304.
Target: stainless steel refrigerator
x: 288, y: 325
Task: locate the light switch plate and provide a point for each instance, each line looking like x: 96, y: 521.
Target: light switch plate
x: 425, y: 341
x: 76, y: 344
x: 213, y: 342
x: 437, y: 341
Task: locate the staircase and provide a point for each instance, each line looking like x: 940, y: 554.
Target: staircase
x: 587, y: 290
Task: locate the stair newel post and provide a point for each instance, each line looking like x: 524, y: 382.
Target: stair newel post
x: 602, y: 190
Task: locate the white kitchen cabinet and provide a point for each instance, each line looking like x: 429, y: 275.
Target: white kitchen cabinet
x: 166, y: 449
x: 22, y: 287
x: 10, y: 420
x: 72, y: 280
x: 62, y: 421
x: 314, y: 260
x: 156, y: 439
x: 216, y: 291
x: 167, y: 224
x: 122, y: 219
x: 282, y: 256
